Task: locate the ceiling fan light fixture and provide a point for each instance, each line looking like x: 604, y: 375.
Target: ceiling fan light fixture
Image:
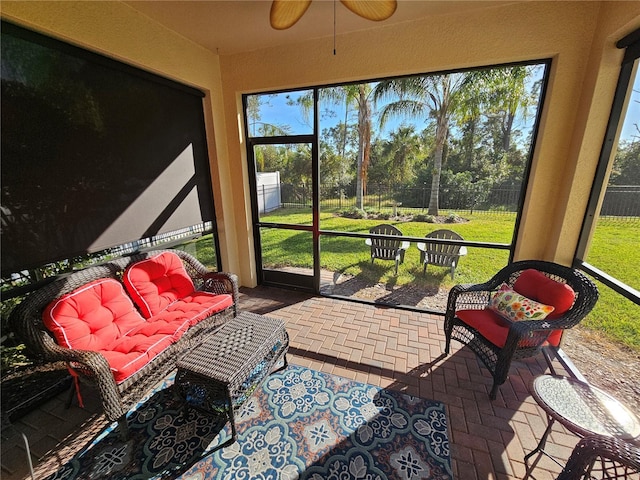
x: 285, y: 13
x: 376, y: 10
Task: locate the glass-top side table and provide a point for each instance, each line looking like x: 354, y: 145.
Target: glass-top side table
x: 583, y: 409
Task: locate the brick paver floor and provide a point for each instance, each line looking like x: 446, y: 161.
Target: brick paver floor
x: 388, y: 347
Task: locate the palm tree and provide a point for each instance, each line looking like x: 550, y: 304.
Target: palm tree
x: 434, y: 96
x: 364, y: 140
x: 401, y: 152
x: 359, y: 97
x: 465, y: 95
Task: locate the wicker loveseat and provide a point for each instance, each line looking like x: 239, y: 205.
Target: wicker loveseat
x: 88, y: 320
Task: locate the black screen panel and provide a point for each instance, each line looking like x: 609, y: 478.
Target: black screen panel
x: 94, y: 153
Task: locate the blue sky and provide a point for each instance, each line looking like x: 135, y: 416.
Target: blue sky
x: 633, y: 114
x: 277, y: 112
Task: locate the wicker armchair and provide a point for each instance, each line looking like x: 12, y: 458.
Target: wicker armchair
x: 520, y: 339
x: 608, y: 457
x: 117, y: 398
x: 387, y: 248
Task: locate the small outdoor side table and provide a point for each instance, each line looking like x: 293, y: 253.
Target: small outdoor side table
x: 220, y: 375
x: 583, y: 409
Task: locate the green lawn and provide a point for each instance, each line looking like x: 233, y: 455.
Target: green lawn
x: 614, y: 316
x: 614, y: 249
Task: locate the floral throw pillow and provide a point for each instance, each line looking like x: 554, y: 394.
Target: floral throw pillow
x: 513, y: 306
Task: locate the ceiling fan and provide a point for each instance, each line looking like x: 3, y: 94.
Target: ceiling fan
x: 285, y: 13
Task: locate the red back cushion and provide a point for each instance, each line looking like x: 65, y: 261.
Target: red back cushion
x: 537, y: 286
x: 92, y: 317
x: 157, y: 282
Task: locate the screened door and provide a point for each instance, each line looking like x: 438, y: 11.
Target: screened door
x: 283, y: 153
x: 285, y: 220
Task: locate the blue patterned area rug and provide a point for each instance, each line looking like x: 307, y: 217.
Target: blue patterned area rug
x: 301, y: 424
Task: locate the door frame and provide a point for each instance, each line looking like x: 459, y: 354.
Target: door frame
x: 297, y: 281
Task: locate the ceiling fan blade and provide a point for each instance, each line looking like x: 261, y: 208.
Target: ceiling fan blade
x: 376, y: 10
x: 285, y: 13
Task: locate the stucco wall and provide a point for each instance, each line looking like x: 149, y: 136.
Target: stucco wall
x: 602, y: 69
x: 579, y: 37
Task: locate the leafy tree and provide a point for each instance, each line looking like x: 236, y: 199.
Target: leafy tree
x: 626, y: 166
x: 379, y: 170
x: 472, y: 121
x: 253, y: 112
x: 298, y: 168
x: 257, y: 128
x: 498, y: 94
x: 274, y: 158
x: 338, y: 149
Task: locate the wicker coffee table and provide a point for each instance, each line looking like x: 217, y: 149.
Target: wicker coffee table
x: 219, y: 375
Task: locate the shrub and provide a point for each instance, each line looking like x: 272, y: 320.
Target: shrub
x: 452, y: 218
x: 421, y: 217
x: 13, y: 356
x: 354, y: 212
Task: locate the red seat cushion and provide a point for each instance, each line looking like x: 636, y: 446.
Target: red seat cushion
x: 141, y: 345
x: 555, y: 337
x: 157, y: 282
x: 93, y: 316
x: 494, y: 328
x: 531, y: 284
x: 537, y: 286
x: 194, y: 308
x: 490, y: 325
x: 131, y: 352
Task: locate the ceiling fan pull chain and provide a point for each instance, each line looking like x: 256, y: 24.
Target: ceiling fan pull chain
x: 334, y: 27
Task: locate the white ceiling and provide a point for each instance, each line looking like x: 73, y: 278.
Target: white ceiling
x: 234, y: 26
